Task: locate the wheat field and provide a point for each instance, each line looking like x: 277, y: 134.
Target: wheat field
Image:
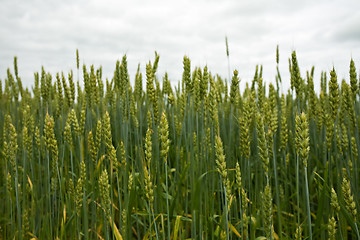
x: 202, y: 159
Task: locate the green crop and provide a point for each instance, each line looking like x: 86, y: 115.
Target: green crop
x: 202, y: 160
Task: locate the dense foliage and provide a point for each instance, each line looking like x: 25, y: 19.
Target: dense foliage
x: 203, y: 160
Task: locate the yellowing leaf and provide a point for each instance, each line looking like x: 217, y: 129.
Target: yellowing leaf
x: 115, y: 230
x: 30, y: 183
x: 233, y: 229
x: 176, y: 228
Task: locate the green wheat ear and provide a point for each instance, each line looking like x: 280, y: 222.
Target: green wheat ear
x: 220, y: 157
x: 353, y: 80
x: 302, y: 137
x: 149, y: 191
x: 354, y: 152
x: 37, y: 140
x: 59, y: 95
x: 148, y: 147
x: 66, y: 90
x: 133, y: 110
x: 75, y: 122
x: 227, y: 46
x: 332, y: 228
x: 77, y: 59
x: 71, y: 190
x: 82, y: 118
x: 204, y: 81
x: 260, y: 95
x: 244, y: 122
x: 273, y: 109
x: 92, y: 148
x: 110, y: 149
x: 12, y: 146
x: 79, y: 195
x: 284, y: 127
x: 150, y: 90
x: 295, y: 75
x: 124, y: 221
x: 72, y: 88
x: 164, y: 137
x: 105, y: 192
x: 130, y: 182
x: 238, y: 177
x: 298, y: 233
x: 234, y: 88
x: 149, y: 120
x: 156, y: 104
x: 240, y: 188
x: 186, y: 78
x: 262, y: 144
x: 67, y: 132
x: 25, y: 224
x: 348, y: 197
x: 221, y: 167
x: 123, y: 154
x: 138, y: 89
x: 334, y: 201
x: 9, y: 184
x: 243, y: 199
x: 344, y: 138
x: 334, y: 97
x: 51, y: 144
x: 267, y: 210
x: 27, y: 142
x: 98, y: 135
x: 171, y: 99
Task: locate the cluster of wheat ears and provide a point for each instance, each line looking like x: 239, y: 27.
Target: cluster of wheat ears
x: 202, y: 160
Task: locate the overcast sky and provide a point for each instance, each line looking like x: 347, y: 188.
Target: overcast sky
x: 47, y: 33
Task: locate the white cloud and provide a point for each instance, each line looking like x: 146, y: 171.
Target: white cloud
x: 324, y: 33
